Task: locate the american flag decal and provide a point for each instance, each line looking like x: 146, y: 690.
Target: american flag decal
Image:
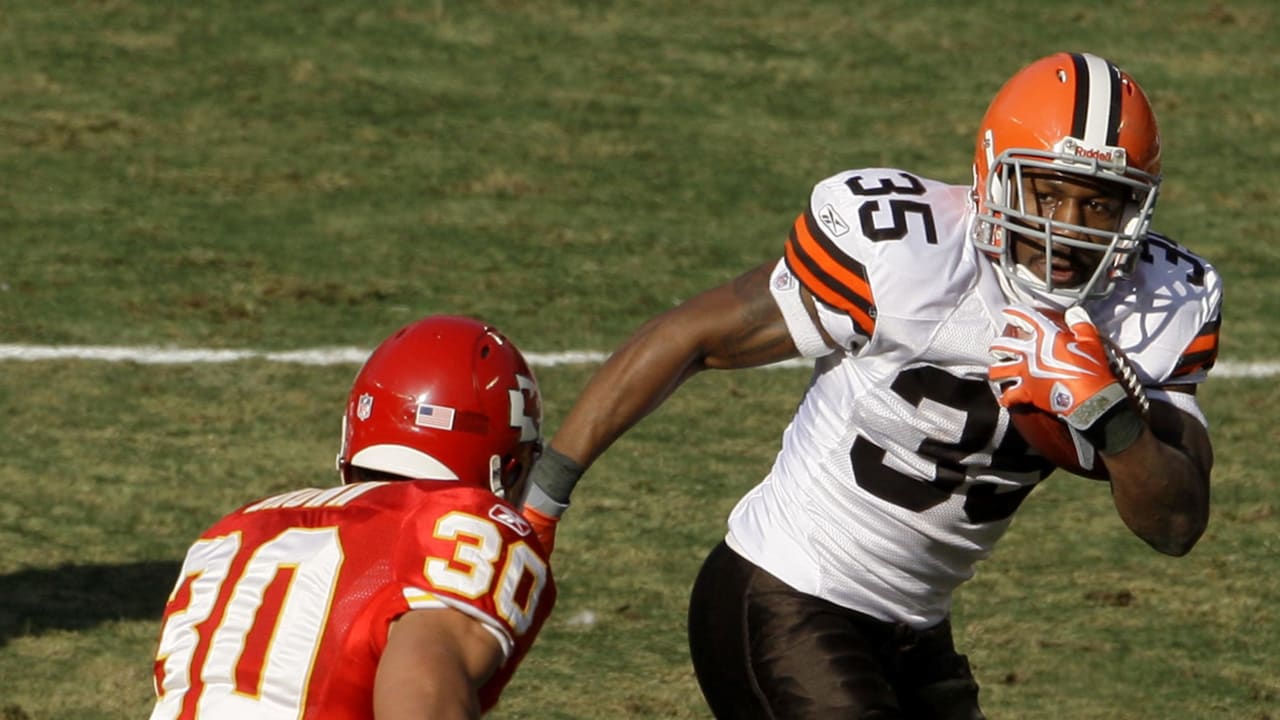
x: 434, y: 416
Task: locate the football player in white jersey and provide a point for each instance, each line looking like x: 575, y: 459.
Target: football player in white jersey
x: 830, y: 595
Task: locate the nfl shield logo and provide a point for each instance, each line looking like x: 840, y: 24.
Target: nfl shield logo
x: 1060, y: 397
x: 364, y: 406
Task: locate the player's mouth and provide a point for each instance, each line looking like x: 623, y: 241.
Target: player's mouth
x: 1062, y: 271
x: 1065, y: 267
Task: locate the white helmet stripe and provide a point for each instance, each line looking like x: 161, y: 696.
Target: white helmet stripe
x: 1096, y: 122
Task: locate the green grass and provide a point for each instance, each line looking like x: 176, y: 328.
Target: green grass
x: 289, y: 175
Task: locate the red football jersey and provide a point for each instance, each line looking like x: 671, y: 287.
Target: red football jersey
x: 282, y: 607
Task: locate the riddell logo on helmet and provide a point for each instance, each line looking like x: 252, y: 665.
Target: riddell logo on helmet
x: 1104, y: 155
x: 1085, y: 152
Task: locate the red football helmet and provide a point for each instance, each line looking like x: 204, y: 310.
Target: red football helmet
x: 444, y: 398
x: 1078, y: 115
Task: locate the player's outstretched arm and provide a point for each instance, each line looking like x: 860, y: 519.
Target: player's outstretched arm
x: 434, y: 665
x: 735, y: 325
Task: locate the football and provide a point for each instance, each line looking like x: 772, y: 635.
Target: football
x: 1053, y: 438
x: 1048, y: 435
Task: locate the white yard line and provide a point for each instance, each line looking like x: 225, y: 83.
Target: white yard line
x: 148, y: 355
x: 354, y: 356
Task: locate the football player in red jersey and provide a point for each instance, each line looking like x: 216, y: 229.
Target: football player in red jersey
x: 830, y: 596
x: 412, y: 590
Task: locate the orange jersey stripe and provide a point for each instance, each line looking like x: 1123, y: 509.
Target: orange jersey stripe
x: 864, y: 322
x: 1202, y: 352
x: 842, y: 269
x: 832, y: 276
x: 1203, y: 343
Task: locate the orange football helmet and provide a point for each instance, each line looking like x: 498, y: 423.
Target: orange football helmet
x: 444, y: 398
x: 1078, y: 115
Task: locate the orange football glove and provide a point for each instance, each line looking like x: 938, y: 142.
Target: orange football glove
x: 546, y: 493
x: 1062, y: 367
x: 544, y: 526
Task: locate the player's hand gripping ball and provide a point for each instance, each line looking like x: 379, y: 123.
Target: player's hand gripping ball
x: 1061, y: 382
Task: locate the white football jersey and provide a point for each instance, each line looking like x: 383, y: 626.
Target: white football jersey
x: 900, y: 471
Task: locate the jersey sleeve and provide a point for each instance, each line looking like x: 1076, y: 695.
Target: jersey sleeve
x: 477, y: 555
x: 1170, y: 326
x: 804, y: 333
x: 1198, y: 358
x: 1198, y: 282
x: 864, y: 239
x: 822, y: 254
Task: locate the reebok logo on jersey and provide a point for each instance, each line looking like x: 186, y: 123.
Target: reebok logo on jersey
x: 511, y: 519
x: 832, y: 221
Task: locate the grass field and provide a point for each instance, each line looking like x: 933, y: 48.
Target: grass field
x: 290, y: 175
